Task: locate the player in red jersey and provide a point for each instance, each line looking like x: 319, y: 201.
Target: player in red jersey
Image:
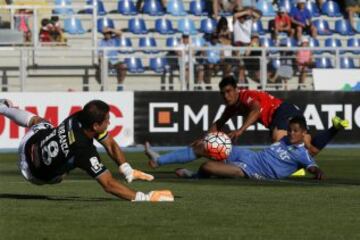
x: 273, y: 113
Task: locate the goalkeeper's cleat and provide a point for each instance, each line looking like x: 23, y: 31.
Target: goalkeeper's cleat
x: 152, y: 155
x: 339, y: 123
x: 154, y: 196
x: 184, y: 173
x: 299, y: 173
x: 6, y: 102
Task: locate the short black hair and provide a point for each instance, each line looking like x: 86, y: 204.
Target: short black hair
x: 230, y: 80
x: 299, y: 120
x: 93, y: 112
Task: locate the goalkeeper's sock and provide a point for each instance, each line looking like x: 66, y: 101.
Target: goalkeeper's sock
x: 21, y: 117
x: 179, y: 156
x: 322, y: 139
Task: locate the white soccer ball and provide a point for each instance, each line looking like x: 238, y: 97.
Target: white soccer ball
x: 217, y: 145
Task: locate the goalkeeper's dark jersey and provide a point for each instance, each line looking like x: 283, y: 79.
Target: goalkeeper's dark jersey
x: 52, y: 152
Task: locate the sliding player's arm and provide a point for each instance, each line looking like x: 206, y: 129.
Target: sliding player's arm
x: 317, y: 172
x: 115, y: 153
x: 251, y: 118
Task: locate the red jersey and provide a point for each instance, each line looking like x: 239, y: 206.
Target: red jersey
x: 268, y: 105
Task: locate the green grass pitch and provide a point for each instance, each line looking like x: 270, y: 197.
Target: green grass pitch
x: 297, y: 208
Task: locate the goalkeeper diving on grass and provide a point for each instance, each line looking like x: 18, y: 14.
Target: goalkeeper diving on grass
x: 48, y: 153
x: 278, y: 161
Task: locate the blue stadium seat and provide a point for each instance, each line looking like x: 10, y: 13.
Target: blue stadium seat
x: 313, y: 42
x: 173, y: 42
x: 346, y: 62
x: 257, y: 27
x: 276, y: 63
x: 100, y: 7
x: 158, y: 65
x: 126, y: 44
x: 73, y: 26
x: 266, y: 8
x: 287, y: 4
x: 331, y: 9
x: 208, y: 25
x: 198, y: 41
x: 186, y: 26
x: 288, y: 42
x: 137, y: 26
x: 313, y: 9
x: 354, y: 42
x: 198, y: 8
x: 332, y: 42
x: 175, y: 8
x: 148, y: 42
x: 322, y: 27
x: 126, y: 7
x: 153, y: 8
x: 134, y: 65
x: 323, y: 62
x: 164, y: 26
x: 343, y: 27
x: 59, y: 7
x: 104, y: 22
x: 267, y: 43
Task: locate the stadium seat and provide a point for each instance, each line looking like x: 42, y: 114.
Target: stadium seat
x: 276, y: 63
x: 266, y: 8
x: 322, y: 27
x: 172, y: 42
x: 332, y: 42
x: 100, y: 7
x: 331, y: 9
x: 105, y: 22
x: 313, y: 9
x: 73, y: 26
x: 346, y: 62
x: 153, y: 8
x: 257, y: 27
x: 323, y: 63
x: 287, y: 4
x: 354, y: 42
x: 61, y: 7
x: 313, y: 42
x: 175, y: 8
x: 198, y: 8
x: 126, y: 44
x: 186, y: 26
x: 148, y: 42
x: 126, y: 7
x: 158, y: 65
x: 343, y: 27
x: 267, y: 43
x: 208, y: 25
x: 137, y: 26
x: 288, y: 42
x: 134, y: 65
x: 198, y: 41
x: 164, y: 26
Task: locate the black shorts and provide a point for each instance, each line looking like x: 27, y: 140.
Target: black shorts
x: 283, y: 114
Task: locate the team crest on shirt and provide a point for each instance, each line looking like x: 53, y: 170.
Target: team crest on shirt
x: 96, y: 166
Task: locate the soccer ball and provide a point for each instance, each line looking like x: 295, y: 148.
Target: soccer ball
x: 217, y: 145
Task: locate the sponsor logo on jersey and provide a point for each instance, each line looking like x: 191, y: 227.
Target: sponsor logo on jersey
x: 96, y: 166
x: 62, y: 139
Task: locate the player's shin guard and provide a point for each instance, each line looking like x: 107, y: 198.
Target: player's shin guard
x: 179, y: 156
x: 21, y: 117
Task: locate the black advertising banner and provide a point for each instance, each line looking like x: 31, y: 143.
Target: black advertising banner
x: 178, y: 118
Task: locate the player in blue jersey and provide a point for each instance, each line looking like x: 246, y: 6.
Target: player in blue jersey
x: 278, y: 161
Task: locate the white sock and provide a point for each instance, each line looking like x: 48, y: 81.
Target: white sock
x: 21, y: 117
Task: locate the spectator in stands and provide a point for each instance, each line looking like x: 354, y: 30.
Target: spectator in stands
x: 109, y: 40
x: 282, y: 23
x: 225, y: 6
x: 304, y: 61
x: 139, y: 4
x: 352, y: 7
x: 22, y: 23
x: 45, y: 31
x: 301, y: 20
x: 225, y: 38
x: 252, y: 63
x: 57, y: 33
x: 243, y: 20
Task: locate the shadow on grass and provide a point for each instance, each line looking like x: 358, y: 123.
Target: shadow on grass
x: 17, y: 196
